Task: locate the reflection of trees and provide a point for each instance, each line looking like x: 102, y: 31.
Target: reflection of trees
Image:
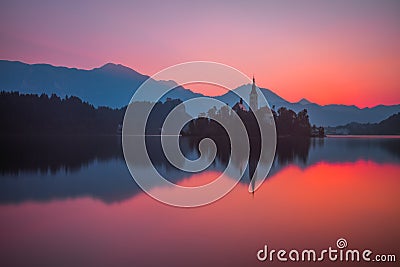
x: 289, y: 149
x: 222, y: 143
x: 53, y: 153
x: 294, y: 131
x: 71, y: 153
x: 392, y: 146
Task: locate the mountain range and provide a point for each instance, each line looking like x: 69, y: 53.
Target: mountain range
x: 113, y: 85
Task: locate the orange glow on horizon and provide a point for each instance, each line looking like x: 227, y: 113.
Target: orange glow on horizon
x: 326, y: 52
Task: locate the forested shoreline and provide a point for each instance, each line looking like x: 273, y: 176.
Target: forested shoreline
x: 30, y: 114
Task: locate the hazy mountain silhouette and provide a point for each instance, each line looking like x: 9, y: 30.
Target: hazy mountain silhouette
x: 231, y: 98
x: 110, y: 85
x: 113, y: 85
x: 328, y: 115
x: 333, y: 115
x: 389, y: 126
x: 304, y: 101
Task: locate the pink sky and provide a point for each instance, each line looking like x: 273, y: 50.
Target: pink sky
x: 344, y: 52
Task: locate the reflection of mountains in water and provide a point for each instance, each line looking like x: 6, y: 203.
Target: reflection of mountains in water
x: 44, y: 168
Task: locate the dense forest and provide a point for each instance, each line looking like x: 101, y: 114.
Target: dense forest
x: 43, y: 114
x: 34, y: 114
x: 288, y: 123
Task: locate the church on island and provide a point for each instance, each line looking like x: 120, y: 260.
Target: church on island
x: 239, y: 106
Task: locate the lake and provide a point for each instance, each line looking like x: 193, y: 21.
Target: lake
x: 71, y: 201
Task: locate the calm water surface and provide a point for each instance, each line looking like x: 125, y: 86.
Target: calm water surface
x: 71, y: 202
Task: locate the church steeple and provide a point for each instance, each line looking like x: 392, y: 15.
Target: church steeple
x: 253, y: 96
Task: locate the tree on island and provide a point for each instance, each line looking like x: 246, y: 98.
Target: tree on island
x: 288, y: 123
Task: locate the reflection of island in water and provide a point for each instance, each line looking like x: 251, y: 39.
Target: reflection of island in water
x: 53, y: 154
x: 44, y: 168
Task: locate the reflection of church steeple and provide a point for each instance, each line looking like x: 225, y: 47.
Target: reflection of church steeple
x: 253, y: 161
x: 253, y: 97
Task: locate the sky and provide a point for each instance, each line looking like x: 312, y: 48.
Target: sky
x: 342, y: 52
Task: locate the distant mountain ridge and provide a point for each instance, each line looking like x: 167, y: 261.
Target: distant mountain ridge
x: 104, y: 86
x: 389, y: 126
x: 113, y: 85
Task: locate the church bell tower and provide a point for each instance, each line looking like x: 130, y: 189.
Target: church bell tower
x: 253, y: 97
